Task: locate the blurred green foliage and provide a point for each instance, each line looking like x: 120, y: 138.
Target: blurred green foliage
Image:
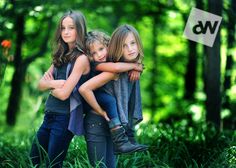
x: 180, y: 142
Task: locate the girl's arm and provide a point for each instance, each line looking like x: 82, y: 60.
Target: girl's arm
x: 47, y: 81
x: 86, y: 90
x: 134, y: 75
x: 81, y: 66
x: 119, y: 67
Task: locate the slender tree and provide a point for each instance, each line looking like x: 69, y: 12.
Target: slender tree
x: 20, y: 65
x: 229, y: 122
x: 231, y: 13
x: 213, y: 101
x: 191, y: 69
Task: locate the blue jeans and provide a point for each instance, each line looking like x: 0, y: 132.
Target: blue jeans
x: 99, y: 142
x: 54, y: 138
x: 108, y: 103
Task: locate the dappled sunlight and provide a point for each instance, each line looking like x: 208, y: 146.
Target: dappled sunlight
x: 146, y: 116
x: 232, y: 92
x: 225, y: 113
x: 200, y: 96
x: 197, y: 111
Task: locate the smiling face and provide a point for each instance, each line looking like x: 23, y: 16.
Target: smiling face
x: 68, y: 31
x: 130, y: 48
x: 98, y: 51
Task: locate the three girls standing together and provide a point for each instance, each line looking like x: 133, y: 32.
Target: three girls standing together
x: 107, y: 93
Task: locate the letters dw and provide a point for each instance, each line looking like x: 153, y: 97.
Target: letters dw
x: 202, y: 27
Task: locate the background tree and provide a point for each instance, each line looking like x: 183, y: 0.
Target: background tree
x: 231, y: 14
x: 22, y: 61
x: 190, y: 78
x: 228, y: 74
x: 213, y: 72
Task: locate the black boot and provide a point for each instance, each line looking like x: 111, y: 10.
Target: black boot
x: 131, y: 137
x: 121, y: 142
x: 141, y: 147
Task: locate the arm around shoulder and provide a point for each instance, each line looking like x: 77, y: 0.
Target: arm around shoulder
x: 118, y: 67
x: 97, y: 81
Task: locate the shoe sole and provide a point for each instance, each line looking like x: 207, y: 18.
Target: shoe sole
x: 136, y: 150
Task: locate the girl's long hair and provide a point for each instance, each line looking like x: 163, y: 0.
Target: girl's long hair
x: 115, y: 48
x: 61, y: 52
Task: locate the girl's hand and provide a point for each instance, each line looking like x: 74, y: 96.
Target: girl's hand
x: 104, y: 114
x: 55, y: 84
x: 139, y: 67
x: 134, y: 75
x: 48, y: 76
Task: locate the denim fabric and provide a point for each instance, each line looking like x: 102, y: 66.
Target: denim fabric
x: 128, y: 98
x: 53, y: 138
x: 107, y: 102
x: 99, y: 142
x: 114, y: 122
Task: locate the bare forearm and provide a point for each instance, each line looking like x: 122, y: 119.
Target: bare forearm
x: 45, y: 85
x: 118, y: 67
x: 50, y: 84
x: 124, y: 67
x: 81, y: 66
x: 46, y: 81
x: 86, y: 90
x: 89, y: 97
x: 60, y: 94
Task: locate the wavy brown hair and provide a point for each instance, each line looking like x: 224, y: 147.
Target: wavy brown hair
x: 115, y: 48
x: 94, y: 36
x: 61, y: 52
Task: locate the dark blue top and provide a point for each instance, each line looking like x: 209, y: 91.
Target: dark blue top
x: 54, y: 104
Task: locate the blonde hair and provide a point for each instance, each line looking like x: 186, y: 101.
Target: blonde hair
x: 115, y: 48
x: 94, y: 36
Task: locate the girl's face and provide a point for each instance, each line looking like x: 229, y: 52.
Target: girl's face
x: 98, y: 51
x: 130, y: 48
x: 68, y: 31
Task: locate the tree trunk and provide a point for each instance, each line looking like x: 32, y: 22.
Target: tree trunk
x: 18, y: 77
x: 15, y: 96
x: 229, y: 121
x: 3, y: 65
x: 229, y: 58
x: 191, y: 72
x: 213, y: 101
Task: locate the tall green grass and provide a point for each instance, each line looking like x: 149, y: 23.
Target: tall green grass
x: 180, y: 144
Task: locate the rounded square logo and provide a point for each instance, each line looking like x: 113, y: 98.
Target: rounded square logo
x: 202, y: 27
